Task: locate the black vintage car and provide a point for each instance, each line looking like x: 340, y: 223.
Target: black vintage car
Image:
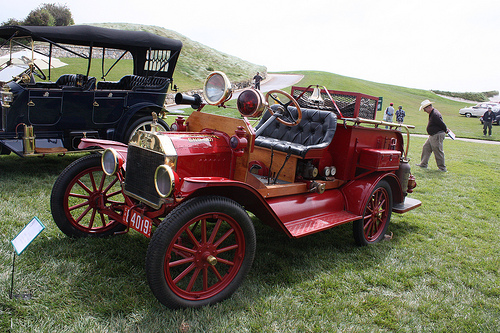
x: 45, y: 116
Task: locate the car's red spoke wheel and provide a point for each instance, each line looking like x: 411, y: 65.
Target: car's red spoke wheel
x: 82, y: 196
x: 377, y: 214
x: 201, y: 252
x: 205, y: 256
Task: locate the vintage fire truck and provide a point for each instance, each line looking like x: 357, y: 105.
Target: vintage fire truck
x: 316, y: 159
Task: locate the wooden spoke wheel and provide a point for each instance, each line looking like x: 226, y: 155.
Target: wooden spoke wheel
x: 200, y: 253
x: 82, y: 197
x: 377, y: 214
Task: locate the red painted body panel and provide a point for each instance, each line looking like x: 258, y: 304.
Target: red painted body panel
x: 358, y: 191
x: 202, y: 154
x: 294, y: 207
x: 349, y: 141
x: 89, y: 143
x: 120, y: 147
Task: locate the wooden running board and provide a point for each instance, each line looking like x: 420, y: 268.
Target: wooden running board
x: 55, y: 150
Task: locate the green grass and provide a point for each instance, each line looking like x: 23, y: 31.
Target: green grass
x: 440, y: 272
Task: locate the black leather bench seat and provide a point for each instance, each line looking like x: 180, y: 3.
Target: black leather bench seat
x: 135, y: 82
x: 314, y: 132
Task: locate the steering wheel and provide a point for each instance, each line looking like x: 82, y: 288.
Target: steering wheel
x: 37, y: 71
x: 284, y: 107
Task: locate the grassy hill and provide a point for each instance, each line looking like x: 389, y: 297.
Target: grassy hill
x: 197, y: 60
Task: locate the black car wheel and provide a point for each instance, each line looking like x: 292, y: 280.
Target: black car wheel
x: 144, y: 124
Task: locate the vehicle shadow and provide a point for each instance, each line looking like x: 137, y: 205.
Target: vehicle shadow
x: 281, y: 261
x: 107, y: 275
x: 13, y: 165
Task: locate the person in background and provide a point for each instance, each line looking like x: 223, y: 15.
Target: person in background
x: 400, y: 115
x: 488, y: 118
x: 257, y: 78
x: 436, y: 128
x: 389, y: 112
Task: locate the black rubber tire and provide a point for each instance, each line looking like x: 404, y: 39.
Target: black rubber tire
x: 377, y: 214
x: 87, y: 170
x: 172, y: 244
x: 143, y: 123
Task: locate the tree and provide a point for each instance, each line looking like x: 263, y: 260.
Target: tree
x: 40, y: 16
x: 47, y: 14
x: 12, y: 21
x: 61, y: 13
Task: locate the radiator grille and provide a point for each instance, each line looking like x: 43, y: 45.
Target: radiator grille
x: 141, y: 167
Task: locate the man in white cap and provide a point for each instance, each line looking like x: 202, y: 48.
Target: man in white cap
x: 436, y: 128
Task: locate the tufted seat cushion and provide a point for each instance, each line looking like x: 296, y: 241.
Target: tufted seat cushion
x: 314, y: 132
x: 76, y: 81
x: 136, y: 82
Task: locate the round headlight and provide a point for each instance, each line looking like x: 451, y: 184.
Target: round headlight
x: 110, y: 161
x: 217, y: 88
x: 164, y: 180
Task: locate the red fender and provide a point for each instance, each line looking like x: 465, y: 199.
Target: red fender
x: 240, y: 192
x: 120, y: 147
x: 357, y: 192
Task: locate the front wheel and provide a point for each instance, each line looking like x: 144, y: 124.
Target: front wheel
x: 200, y: 253
x: 376, y: 216
x: 468, y: 115
x: 81, y: 196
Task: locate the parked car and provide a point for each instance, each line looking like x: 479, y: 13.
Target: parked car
x: 478, y: 110
x: 316, y: 159
x: 47, y: 116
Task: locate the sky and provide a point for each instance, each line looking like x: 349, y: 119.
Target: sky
x: 426, y: 44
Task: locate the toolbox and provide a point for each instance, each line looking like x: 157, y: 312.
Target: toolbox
x: 379, y: 159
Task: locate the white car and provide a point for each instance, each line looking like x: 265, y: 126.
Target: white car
x: 479, y: 109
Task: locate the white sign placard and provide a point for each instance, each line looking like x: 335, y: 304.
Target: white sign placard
x: 27, y: 235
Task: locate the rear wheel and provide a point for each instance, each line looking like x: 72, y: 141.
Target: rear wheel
x: 200, y: 253
x: 144, y: 124
x: 80, y: 197
x: 377, y: 214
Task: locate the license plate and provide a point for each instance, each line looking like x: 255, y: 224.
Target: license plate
x: 138, y: 221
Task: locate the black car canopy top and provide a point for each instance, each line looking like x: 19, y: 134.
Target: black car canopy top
x: 136, y: 42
